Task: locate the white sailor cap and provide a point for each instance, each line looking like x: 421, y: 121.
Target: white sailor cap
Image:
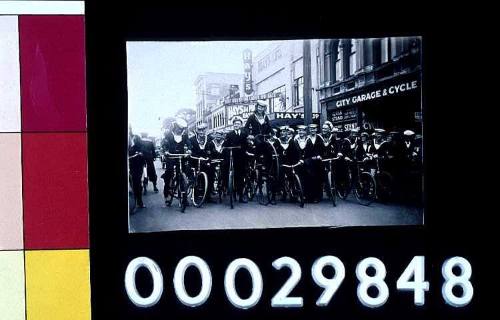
x: 408, y: 133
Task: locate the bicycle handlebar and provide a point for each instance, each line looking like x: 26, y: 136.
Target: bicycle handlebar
x: 199, y: 158
x: 331, y: 159
x: 291, y: 166
x: 231, y: 147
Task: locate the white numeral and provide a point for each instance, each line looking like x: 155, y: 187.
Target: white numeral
x: 366, y: 281
x: 330, y: 285
x: 451, y: 280
x: 415, y: 269
x: 281, y: 298
x: 131, y: 288
x: 206, y: 281
x: 230, y: 288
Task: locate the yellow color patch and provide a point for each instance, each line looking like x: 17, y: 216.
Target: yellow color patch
x: 12, y: 285
x: 58, y: 284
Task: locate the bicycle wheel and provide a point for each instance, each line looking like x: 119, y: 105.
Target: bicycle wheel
x: 171, y: 192
x: 199, y: 189
x: 250, y: 187
x: 384, y: 182
x: 183, y: 192
x: 230, y: 188
x: 343, y: 184
x: 298, y: 191
x: 332, y: 189
x: 365, y: 189
x: 263, y: 191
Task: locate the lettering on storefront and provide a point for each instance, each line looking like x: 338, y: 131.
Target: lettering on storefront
x: 243, y: 111
x: 389, y: 91
x: 294, y: 115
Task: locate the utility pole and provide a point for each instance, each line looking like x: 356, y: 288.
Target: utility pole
x: 306, y: 58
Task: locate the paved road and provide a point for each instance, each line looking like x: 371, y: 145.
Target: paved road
x: 158, y: 217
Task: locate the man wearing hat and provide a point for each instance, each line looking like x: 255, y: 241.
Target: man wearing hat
x: 237, y: 138
x: 136, y: 167
x: 200, y: 148
x: 149, y: 152
x: 175, y: 142
x: 409, y: 140
x: 314, y: 165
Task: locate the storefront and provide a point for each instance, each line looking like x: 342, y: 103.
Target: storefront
x: 393, y: 104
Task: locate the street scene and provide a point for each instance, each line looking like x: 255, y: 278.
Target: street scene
x: 159, y: 217
x: 274, y: 134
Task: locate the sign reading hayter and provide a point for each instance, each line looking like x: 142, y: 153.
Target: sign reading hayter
x: 375, y: 94
x: 247, y: 63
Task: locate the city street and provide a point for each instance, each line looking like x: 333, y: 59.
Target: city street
x: 157, y: 217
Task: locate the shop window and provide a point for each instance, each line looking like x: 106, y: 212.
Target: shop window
x: 328, y: 62
x: 277, y: 100
x: 298, y: 94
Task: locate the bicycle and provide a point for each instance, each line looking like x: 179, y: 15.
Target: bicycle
x: 265, y: 177
x: 251, y: 177
x: 218, y: 186
x: 199, y: 186
x: 230, y: 184
x: 293, y: 186
x: 332, y: 189
x: 179, y: 182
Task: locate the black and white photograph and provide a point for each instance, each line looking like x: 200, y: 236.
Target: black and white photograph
x: 274, y: 134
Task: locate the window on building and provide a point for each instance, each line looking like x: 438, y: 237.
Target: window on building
x: 338, y: 63
x: 328, y: 61
x: 298, y: 91
x: 385, y: 50
x: 353, y: 55
x: 277, y: 100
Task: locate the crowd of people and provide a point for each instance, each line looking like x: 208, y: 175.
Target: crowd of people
x: 255, y: 138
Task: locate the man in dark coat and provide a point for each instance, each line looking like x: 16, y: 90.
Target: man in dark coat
x: 314, y: 165
x: 237, y: 138
x: 136, y: 168
x: 175, y: 142
x: 149, y: 152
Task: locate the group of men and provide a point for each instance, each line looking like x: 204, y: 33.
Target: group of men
x: 255, y: 138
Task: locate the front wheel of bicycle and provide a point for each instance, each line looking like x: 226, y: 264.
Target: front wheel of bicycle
x: 230, y: 189
x: 298, y: 191
x: 365, y: 189
x: 199, y: 189
x: 264, y: 192
x: 331, y: 187
x: 183, y: 192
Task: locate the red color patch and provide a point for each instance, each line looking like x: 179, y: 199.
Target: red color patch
x: 55, y: 190
x: 52, y: 50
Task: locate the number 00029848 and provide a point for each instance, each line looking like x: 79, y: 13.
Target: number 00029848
x: 412, y: 279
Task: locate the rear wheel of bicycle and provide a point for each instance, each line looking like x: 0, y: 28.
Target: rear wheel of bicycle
x: 332, y: 189
x: 250, y: 187
x: 297, y: 191
x: 199, y: 189
x: 230, y: 188
x: 365, y: 189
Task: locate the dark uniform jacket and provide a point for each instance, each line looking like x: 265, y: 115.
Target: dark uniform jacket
x: 136, y: 159
x: 200, y: 150
x: 169, y: 144
x: 148, y: 149
x: 254, y: 127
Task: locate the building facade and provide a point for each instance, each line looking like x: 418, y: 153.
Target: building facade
x: 371, y: 82
x: 277, y: 75
x: 210, y: 88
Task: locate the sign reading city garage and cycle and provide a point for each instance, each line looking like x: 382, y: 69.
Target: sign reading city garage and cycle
x: 392, y: 90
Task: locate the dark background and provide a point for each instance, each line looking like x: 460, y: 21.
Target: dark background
x: 456, y: 196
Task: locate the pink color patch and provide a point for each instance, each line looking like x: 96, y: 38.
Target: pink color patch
x: 52, y: 50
